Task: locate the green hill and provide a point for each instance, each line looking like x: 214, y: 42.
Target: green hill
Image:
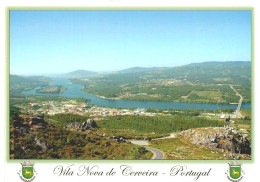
x: 79, y: 74
x: 21, y: 83
x: 207, y: 82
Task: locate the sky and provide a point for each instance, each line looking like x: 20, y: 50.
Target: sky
x: 56, y: 42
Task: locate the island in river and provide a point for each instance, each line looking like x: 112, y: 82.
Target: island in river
x: 52, y: 89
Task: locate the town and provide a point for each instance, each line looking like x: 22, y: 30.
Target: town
x: 97, y: 112
x: 84, y: 109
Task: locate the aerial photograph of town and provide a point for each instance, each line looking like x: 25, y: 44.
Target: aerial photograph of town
x: 130, y: 85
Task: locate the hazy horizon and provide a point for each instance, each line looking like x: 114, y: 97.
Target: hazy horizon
x: 58, y: 42
x: 108, y: 72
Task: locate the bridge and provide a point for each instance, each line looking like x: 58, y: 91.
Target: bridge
x: 237, y: 112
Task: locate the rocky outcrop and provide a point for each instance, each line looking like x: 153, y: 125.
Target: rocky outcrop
x: 225, y: 138
x: 24, y: 129
x: 76, y: 126
x: 41, y: 144
x: 118, y: 139
x: 37, y: 122
x: 90, y: 123
x: 18, y: 121
x: 22, y: 125
x: 26, y: 126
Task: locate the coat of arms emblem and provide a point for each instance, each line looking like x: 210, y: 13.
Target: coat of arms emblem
x: 235, y: 172
x: 27, y: 173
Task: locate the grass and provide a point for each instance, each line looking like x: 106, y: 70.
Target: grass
x: 181, y: 148
x: 246, y: 112
x: 205, y: 96
x: 241, y: 126
x: 208, y: 94
x: 209, y: 115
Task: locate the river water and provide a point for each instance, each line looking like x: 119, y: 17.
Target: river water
x: 74, y: 90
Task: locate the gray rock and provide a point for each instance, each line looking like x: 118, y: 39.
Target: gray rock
x: 41, y: 144
x: 225, y: 138
x: 118, y: 139
x: 91, y: 123
x: 38, y: 126
x: 24, y: 130
x: 74, y: 126
x: 37, y: 122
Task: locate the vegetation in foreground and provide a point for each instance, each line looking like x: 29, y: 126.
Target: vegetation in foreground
x: 55, y: 142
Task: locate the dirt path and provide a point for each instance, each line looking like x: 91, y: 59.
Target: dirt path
x: 172, y: 135
x: 140, y: 142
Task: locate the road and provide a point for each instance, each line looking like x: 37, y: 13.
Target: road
x: 237, y: 113
x: 157, y: 154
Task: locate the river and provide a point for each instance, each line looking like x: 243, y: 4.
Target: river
x: 74, y: 90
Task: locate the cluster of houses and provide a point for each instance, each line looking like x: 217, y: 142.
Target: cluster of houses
x: 53, y: 107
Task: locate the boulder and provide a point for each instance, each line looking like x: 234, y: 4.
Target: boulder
x: 118, y: 139
x: 24, y: 130
x: 41, y: 144
x: 38, y: 126
x: 225, y: 138
x: 37, y: 122
x: 76, y: 126
x: 91, y: 123
x: 27, y: 148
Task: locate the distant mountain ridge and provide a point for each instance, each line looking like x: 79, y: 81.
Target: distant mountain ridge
x: 18, y: 79
x: 194, y: 81
x: 79, y: 74
x: 204, y: 67
x: 142, y: 69
x: 207, y: 71
x: 221, y: 63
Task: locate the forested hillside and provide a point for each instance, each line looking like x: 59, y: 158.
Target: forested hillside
x: 207, y: 82
x: 19, y: 83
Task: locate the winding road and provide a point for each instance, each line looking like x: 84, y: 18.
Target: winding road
x: 157, y: 154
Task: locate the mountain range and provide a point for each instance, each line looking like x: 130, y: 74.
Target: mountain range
x: 79, y: 74
x: 198, y: 68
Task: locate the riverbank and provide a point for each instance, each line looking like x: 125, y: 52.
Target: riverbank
x: 75, y: 91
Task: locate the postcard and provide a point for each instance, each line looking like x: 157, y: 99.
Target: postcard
x: 130, y: 93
